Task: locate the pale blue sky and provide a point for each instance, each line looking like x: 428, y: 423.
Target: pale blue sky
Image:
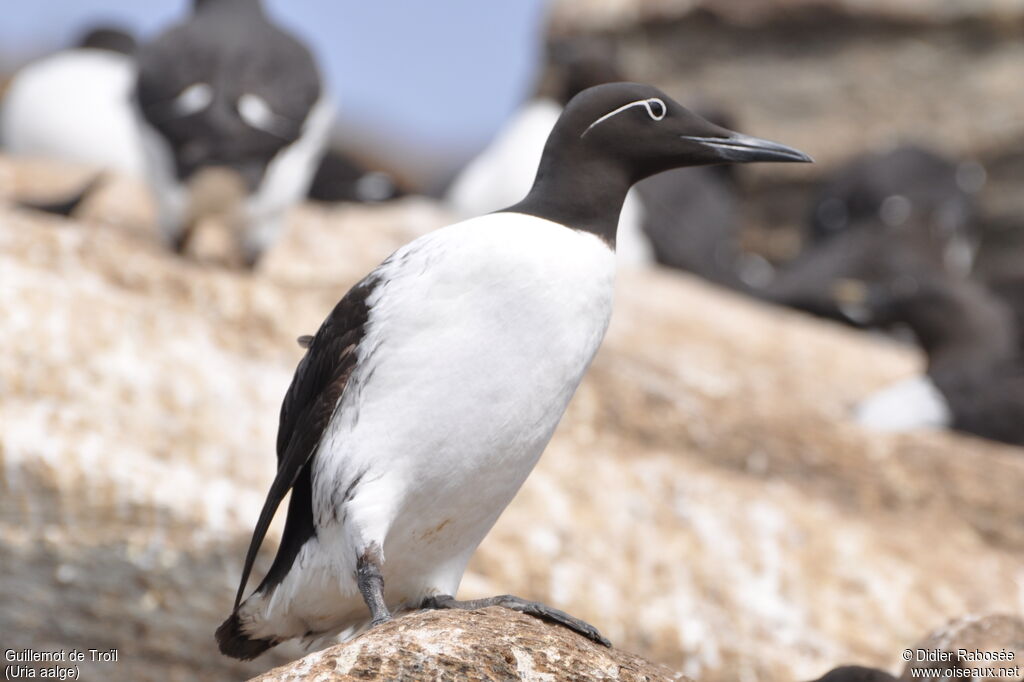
x: 426, y: 82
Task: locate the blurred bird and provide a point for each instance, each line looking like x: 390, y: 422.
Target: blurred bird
x: 110, y: 38
x: 75, y: 106
x: 905, y: 211
x: 906, y: 188
x: 339, y: 178
x: 430, y: 391
x: 228, y: 88
x: 975, y: 376
x: 871, y: 253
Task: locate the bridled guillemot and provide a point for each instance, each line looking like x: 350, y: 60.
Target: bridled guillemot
x: 428, y: 394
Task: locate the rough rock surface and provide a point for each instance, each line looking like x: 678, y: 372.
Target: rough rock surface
x: 492, y: 645
x: 968, y: 642
x: 589, y: 15
x: 707, y: 501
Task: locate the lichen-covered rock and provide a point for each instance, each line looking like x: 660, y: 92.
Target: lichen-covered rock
x: 981, y: 648
x: 491, y: 645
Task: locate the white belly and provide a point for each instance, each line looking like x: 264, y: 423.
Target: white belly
x: 477, y: 337
x: 476, y: 341
x: 74, y: 106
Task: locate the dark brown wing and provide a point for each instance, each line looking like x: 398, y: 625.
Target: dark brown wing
x: 306, y: 411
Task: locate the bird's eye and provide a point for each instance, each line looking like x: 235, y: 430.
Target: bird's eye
x: 656, y: 108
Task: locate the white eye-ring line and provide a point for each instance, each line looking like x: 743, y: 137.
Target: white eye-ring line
x: 645, y: 103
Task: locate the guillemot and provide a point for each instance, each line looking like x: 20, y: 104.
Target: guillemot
x: 75, y: 105
x: 341, y: 178
x: 907, y: 187
x: 903, y: 211
x: 229, y: 88
x: 975, y: 376
x: 871, y: 254
x: 429, y: 392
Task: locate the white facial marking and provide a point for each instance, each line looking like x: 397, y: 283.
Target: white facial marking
x: 192, y: 99
x: 656, y: 109
x: 255, y: 111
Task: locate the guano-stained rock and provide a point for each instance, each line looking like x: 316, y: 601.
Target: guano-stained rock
x: 492, y: 645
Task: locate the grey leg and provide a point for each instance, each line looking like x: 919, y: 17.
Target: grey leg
x: 371, y: 584
x: 530, y: 608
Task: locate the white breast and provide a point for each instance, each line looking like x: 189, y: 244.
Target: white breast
x: 477, y: 338
x: 74, y: 106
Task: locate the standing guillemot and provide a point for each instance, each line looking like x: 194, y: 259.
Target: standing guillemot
x: 430, y: 391
x: 975, y: 376
x: 228, y: 88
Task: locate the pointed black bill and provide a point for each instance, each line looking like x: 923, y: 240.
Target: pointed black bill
x: 738, y: 148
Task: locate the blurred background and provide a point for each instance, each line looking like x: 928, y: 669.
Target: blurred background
x: 798, y: 447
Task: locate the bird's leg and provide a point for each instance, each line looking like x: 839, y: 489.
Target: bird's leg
x: 530, y: 608
x: 371, y: 583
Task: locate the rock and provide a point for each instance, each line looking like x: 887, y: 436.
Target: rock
x: 972, y: 647
x: 708, y: 502
x: 594, y: 15
x: 481, y: 646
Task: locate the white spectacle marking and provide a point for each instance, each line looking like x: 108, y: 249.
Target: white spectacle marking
x: 645, y: 103
x: 195, y: 97
x: 255, y: 111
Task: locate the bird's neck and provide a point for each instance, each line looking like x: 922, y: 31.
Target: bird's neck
x: 581, y: 193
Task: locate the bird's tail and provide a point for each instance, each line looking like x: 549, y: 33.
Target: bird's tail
x: 235, y: 642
